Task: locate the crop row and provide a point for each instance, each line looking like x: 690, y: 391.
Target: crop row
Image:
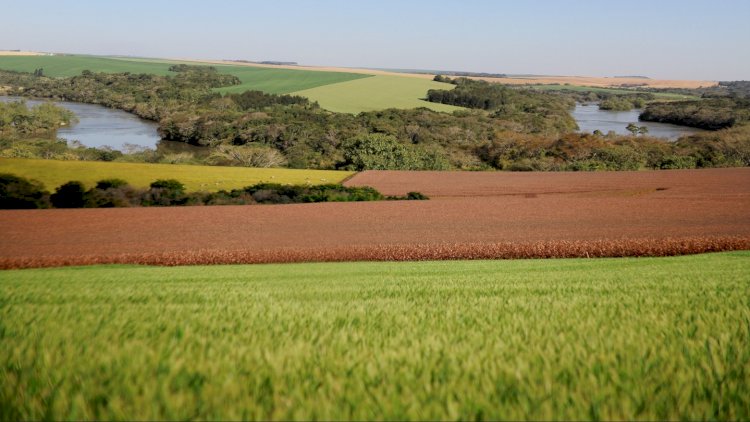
x: 405, y: 252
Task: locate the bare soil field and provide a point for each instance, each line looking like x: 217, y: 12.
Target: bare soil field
x: 594, y: 81
x: 601, y: 82
x: 470, y: 216
x: 19, y: 53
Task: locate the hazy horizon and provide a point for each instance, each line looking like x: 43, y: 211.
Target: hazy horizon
x: 664, y: 40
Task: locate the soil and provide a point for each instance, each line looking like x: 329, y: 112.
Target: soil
x: 469, y: 215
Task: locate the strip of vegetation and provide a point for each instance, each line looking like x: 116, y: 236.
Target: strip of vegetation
x: 17, y: 121
x: 539, y: 111
x: 21, y: 193
x: 712, y: 114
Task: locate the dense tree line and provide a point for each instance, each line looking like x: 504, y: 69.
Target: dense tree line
x: 18, y: 121
x: 710, y: 113
x: 539, y: 112
x: 21, y: 193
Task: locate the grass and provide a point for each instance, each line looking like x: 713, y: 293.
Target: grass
x: 645, y: 338
x: 275, y: 81
x: 54, y: 173
x: 377, y: 93
x: 658, y: 95
x: 66, y: 66
x: 282, y: 81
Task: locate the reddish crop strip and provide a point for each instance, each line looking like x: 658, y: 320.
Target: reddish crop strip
x: 470, y: 216
x: 508, y: 250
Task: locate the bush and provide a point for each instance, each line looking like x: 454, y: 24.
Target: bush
x: 21, y: 193
x: 165, y: 192
x: 170, y: 185
x: 69, y: 195
x: 416, y: 196
x: 110, y: 184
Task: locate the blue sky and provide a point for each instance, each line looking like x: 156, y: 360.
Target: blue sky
x: 686, y: 39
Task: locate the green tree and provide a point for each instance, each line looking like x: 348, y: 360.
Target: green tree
x: 632, y: 128
x: 17, y: 192
x: 69, y: 195
x: 376, y: 151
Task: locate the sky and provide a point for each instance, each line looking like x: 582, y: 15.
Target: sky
x: 665, y: 39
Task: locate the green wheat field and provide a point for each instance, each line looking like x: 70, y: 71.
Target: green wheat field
x: 638, y: 338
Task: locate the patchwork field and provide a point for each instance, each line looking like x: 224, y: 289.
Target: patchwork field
x: 376, y: 93
x: 612, y: 339
x: 53, y: 173
x: 470, y: 215
x: 601, y: 81
x: 273, y: 80
x: 658, y: 95
x: 349, y: 92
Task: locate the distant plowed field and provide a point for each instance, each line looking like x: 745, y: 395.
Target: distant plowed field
x: 470, y: 215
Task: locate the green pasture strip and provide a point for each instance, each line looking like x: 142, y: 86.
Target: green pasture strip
x: 658, y: 95
x: 377, y: 93
x: 53, y: 173
x: 576, y: 339
x: 275, y: 81
x: 66, y: 66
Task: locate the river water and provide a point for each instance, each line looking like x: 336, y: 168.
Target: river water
x: 100, y: 126
x: 590, y: 118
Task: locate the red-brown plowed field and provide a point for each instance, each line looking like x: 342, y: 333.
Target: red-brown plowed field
x: 470, y: 215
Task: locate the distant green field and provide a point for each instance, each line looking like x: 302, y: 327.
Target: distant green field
x: 334, y: 91
x: 66, y: 66
x: 591, y: 339
x: 276, y: 81
x: 54, y: 173
x: 282, y: 81
x: 659, y: 95
x: 377, y: 93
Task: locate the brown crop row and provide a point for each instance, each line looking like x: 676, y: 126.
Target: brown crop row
x: 424, y: 252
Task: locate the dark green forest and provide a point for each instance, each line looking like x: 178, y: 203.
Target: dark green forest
x: 500, y: 128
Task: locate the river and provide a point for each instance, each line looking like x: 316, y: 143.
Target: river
x: 590, y: 118
x: 100, y: 126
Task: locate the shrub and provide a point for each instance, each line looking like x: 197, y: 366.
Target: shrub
x: 69, y: 195
x: 110, y: 184
x: 21, y: 193
x: 418, y: 196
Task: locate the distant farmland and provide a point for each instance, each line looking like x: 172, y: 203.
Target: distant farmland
x: 377, y: 93
x: 53, y: 173
x: 275, y: 81
x: 337, y: 91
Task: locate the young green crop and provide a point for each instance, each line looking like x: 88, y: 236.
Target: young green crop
x: 663, y: 338
x: 53, y: 173
x: 377, y: 93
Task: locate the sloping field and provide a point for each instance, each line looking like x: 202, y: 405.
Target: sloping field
x: 66, y: 66
x: 376, y: 93
x: 601, y: 81
x: 347, y: 92
x: 273, y: 80
x: 18, y: 53
x: 611, y: 339
x: 53, y: 173
x: 471, y: 215
x: 282, y: 81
